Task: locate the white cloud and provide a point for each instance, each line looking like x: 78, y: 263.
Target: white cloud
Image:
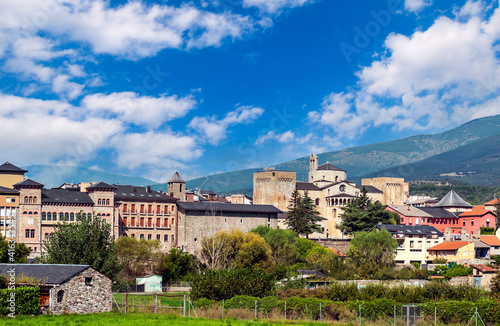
x: 273, y: 6
x: 154, y: 149
x: 141, y: 110
x: 417, y: 5
x: 67, y: 89
x: 215, y: 130
x: 283, y: 138
x: 434, y: 79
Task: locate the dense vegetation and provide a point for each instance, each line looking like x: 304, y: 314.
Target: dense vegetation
x: 476, y: 195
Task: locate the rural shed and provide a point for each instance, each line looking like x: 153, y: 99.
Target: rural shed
x: 76, y: 289
x: 152, y: 283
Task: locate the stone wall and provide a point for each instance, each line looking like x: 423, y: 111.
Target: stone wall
x: 341, y: 246
x: 80, y: 298
x: 273, y: 188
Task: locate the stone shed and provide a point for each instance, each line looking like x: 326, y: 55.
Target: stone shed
x: 482, y: 275
x: 74, y: 289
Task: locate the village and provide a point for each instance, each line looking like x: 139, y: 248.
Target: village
x: 429, y: 233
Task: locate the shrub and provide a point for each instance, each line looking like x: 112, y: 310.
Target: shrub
x: 439, y: 261
x: 27, y: 300
x: 225, y: 284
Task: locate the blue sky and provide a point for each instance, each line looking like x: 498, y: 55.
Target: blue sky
x: 146, y: 88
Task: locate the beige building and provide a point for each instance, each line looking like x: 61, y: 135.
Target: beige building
x: 395, y: 191
x: 202, y: 219
x: 454, y: 251
x: 327, y: 186
x: 413, y: 241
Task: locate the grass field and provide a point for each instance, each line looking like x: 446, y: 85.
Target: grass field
x: 134, y: 320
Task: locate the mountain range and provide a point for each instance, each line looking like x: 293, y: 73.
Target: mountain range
x: 470, y: 153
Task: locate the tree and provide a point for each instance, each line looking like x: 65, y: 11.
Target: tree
x: 371, y: 251
x: 138, y: 257
x: 17, y: 256
x: 362, y: 215
x: 234, y: 249
x: 178, y: 266
x: 87, y: 241
x: 303, y: 215
x: 283, y: 244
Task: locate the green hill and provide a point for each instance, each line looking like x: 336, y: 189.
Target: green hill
x: 477, y: 163
x: 54, y: 176
x: 363, y: 160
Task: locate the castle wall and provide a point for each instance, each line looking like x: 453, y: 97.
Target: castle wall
x: 395, y: 190
x: 273, y: 188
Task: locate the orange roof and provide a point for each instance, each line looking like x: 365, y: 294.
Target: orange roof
x: 490, y: 240
x: 478, y: 210
x: 338, y: 253
x: 493, y: 202
x: 454, y: 245
x: 484, y: 268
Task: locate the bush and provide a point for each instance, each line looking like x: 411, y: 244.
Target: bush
x: 439, y: 261
x: 225, y: 284
x: 204, y: 303
x: 27, y: 300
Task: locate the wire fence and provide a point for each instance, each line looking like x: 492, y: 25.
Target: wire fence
x: 360, y: 314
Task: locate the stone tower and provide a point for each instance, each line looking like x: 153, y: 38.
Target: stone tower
x: 313, y: 166
x: 271, y: 187
x: 177, y: 187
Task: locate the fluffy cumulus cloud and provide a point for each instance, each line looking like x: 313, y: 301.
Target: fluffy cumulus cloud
x: 436, y: 78
x: 416, y: 5
x: 141, y: 110
x: 214, y: 130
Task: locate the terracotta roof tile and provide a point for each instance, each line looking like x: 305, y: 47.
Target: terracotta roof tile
x: 454, y: 245
x: 484, y: 268
x: 478, y: 210
x: 491, y: 240
x: 493, y: 202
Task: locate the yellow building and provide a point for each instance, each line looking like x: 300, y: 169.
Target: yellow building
x: 455, y: 251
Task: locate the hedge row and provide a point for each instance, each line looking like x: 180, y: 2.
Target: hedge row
x: 447, y: 311
x: 27, y: 301
x: 432, y: 291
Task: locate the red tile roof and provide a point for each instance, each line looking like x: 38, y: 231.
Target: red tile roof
x: 478, y: 210
x: 454, y: 245
x: 493, y: 202
x: 490, y: 240
x: 484, y: 268
x: 336, y: 252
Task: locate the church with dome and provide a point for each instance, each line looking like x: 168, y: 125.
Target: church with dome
x: 330, y: 190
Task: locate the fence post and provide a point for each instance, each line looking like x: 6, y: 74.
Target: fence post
x: 184, y: 305
x: 255, y: 309
x: 435, y: 315
x: 320, y: 312
x: 156, y: 302
x: 360, y: 313
x: 394, y: 315
x: 126, y: 303
x: 222, y: 308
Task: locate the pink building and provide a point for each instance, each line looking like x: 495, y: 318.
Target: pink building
x: 476, y: 218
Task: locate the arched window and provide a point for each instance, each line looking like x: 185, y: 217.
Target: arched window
x: 99, y: 201
x: 66, y: 216
x: 72, y: 217
x: 44, y: 216
x: 34, y: 200
x: 25, y: 199
x: 60, y: 296
x: 49, y: 216
x: 61, y: 216
x: 107, y: 201
x: 317, y: 201
x: 30, y: 213
x: 25, y: 212
x: 30, y: 200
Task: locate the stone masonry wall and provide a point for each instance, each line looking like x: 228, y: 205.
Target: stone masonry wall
x: 79, y: 298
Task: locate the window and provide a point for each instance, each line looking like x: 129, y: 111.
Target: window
x: 412, y: 244
x: 150, y: 209
x: 25, y: 199
x: 342, y: 188
x: 99, y: 201
x: 158, y: 237
x: 132, y: 235
x: 150, y: 222
x: 158, y: 209
x: 195, y: 239
x: 142, y: 222
x: 125, y: 208
x: 464, y: 222
x: 13, y: 199
x: 60, y: 295
x: 141, y: 236
x: 173, y: 221
x: 158, y: 222
x: 107, y: 201
x: 44, y: 216
x: 49, y: 216
x: 241, y: 220
x: 61, y: 216
x: 173, y: 238
x: 32, y: 233
x: 165, y: 238
x: 402, y: 220
x: 149, y: 236
x: 142, y: 209
x: 34, y: 200
x: 72, y: 217
x: 27, y: 233
x: 471, y: 222
x: 166, y: 223
x: 88, y: 281
x: 7, y: 199
x: 166, y: 210
x: 133, y: 209
x: 46, y: 235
